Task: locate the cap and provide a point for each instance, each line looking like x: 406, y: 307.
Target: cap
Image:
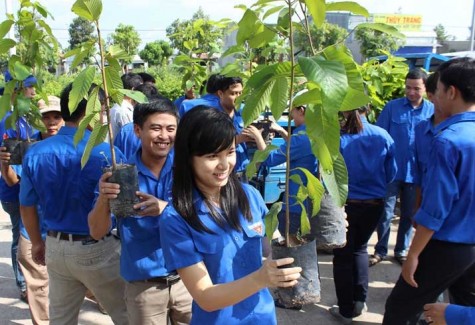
x: 53, y: 105
x: 30, y: 81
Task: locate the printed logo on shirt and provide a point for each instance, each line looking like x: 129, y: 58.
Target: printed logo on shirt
x: 257, y: 227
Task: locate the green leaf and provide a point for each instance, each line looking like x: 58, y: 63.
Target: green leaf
x: 279, y: 96
x: 271, y: 220
x: 330, y: 76
x: 350, y: 6
x: 384, y: 28
x: 22, y: 104
x: 5, y: 105
x: 114, y: 64
x: 46, y: 27
x: 138, y: 96
x: 304, y: 222
x: 81, y: 86
x: 336, y: 182
x: 20, y: 71
x: 85, y: 122
x: 6, y: 44
x: 72, y: 52
x: 79, y: 58
x: 42, y: 10
x: 272, y: 11
x: 317, y: 10
x: 114, y: 82
x: 88, y: 9
x: 315, y: 190
x: 98, y: 136
x: 256, y: 102
x: 233, y: 50
x: 312, y: 96
x: 5, y: 27
x: 259, y: 156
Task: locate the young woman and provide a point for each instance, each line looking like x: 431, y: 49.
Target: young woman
x: 213, y: 233
x: 368, y: 151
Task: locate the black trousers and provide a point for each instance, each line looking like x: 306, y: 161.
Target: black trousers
x: 350, y: 263
x: 442, y: 265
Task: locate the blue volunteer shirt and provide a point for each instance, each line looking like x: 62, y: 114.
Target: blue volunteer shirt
x: 127, y: 141
x: 11, y: 193
x: 448, y: 204
x: 227, y: 254
x: 399, y: 118
x: 459, y: 315
x: 210, y: 100
x: 52, y: 177
x: 424, y: 134
x: 141, y: 257
x: 300, y: 156
x: 369, y: 158
x: 242, y: 155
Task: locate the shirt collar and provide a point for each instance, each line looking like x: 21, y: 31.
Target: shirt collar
x: 68, y: 130
x: 461, y: 117
x: 408, y: 103
x: 142, y: 169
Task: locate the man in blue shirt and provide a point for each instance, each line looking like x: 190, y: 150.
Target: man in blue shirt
x: 399, y: 118
x: 9, y: 194
x: 152, y: 293
x: 52, y: 178
x: 442, y: 253
x: 210, y: 99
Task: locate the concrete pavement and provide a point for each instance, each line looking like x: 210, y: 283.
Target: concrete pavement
x: 382, y: 279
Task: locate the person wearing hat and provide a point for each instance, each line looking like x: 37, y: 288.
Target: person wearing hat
x: 9, y: 194
x: 35, y: 275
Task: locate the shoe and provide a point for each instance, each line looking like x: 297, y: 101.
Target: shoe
x: 24, y: 296
x: 335, y: 311
x: 359, y: 308
x: 278, y: 304
x: 375, y: 259
x: 401, y: 259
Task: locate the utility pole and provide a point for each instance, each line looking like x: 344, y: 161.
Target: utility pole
x: 11, y: 33
x: 472, y: 33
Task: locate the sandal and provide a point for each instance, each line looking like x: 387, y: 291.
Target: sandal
x: 375, y: 259
x: 400, y: 259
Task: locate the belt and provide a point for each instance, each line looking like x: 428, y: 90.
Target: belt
x: 85, y: 239
x: 370, y: 201
x: 167, y: 280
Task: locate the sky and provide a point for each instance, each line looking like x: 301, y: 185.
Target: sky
x: 151, y: 17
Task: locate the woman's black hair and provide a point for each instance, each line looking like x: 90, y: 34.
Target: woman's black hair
x: 201, y: 131
x: 353, y: 123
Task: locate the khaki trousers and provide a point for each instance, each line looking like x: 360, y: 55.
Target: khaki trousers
x: 36, y: 278
x: 73, y: 267
x: 151, y: 303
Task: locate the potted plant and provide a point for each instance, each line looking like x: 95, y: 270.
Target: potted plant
x: 29, y: 55
x: 334, y: 83
x: 97, y: 113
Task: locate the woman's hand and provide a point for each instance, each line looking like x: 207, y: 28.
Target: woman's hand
x: 271, y: 276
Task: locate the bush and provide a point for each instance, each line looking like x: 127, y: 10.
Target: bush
x: 53, y: 85
x: 168, y: 81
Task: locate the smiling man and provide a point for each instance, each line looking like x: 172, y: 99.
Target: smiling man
x: 152, y: 293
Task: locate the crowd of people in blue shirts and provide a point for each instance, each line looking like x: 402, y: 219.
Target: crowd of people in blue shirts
x: 195, y: 251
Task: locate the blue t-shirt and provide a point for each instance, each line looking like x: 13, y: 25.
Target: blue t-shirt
x: 399, y: 119
x: 52, y: 177
x: 300, y: 156
x: 210, y: 100
x: 227, y: 254
x: 127, y: 141
x: 424, y: 134
x: 141, y: 256
x: 448, y: 202
x: 10, y: 193
x: 370, y: 161
x: 459, y: 315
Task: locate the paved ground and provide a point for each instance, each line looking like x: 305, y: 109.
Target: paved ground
x: 382, y: 277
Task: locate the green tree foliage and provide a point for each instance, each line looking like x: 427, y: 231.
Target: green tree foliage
x: 199, y: 34
x: 384, y: 81
x: 442, y: 35
x: 128, y: 39
x: 322, y: 37
x: 375, y: 42
x: 156, y: 53
x: 36, y: 49
x: 81, y: 31
x: 169, y: 81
